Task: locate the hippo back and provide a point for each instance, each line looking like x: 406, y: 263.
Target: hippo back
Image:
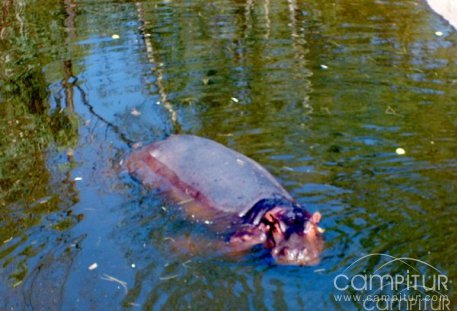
x: 212, y: 173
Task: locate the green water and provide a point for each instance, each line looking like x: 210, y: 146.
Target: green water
x: 321, y: 93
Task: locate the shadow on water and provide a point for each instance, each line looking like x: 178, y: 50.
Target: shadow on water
x: 320, y: 93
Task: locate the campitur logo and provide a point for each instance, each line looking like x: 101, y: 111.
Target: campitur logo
x: 393, y: 283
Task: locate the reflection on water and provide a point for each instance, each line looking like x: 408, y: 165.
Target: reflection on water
x: 446, y: 8
x: 320, y: 93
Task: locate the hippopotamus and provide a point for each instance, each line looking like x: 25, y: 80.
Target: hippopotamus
x: 218, y: 185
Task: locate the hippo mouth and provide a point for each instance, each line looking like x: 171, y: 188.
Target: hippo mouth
x: 293, y: 256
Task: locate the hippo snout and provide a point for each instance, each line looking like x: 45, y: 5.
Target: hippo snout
x: 293, y: 256
x: 299, y: 249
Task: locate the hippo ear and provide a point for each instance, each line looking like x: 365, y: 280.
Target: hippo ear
x: 312, y: 223
x: 316, y: 217
x: 274, y: 214
x: 274, y: 217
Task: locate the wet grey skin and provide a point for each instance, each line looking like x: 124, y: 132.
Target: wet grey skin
x: 222, y: 184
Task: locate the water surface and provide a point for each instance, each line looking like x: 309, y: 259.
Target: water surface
x: 320, y: 93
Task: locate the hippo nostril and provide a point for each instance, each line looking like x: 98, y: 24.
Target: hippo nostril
x: 292, y: 254
x: 303, y: 257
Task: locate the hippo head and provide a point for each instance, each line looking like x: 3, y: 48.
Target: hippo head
x: 289, y: 231
x: 293, y: 236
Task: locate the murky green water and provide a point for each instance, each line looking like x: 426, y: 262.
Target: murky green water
x: 321, y: 93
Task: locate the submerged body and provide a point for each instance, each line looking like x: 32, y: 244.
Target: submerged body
x: 219, y: 184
